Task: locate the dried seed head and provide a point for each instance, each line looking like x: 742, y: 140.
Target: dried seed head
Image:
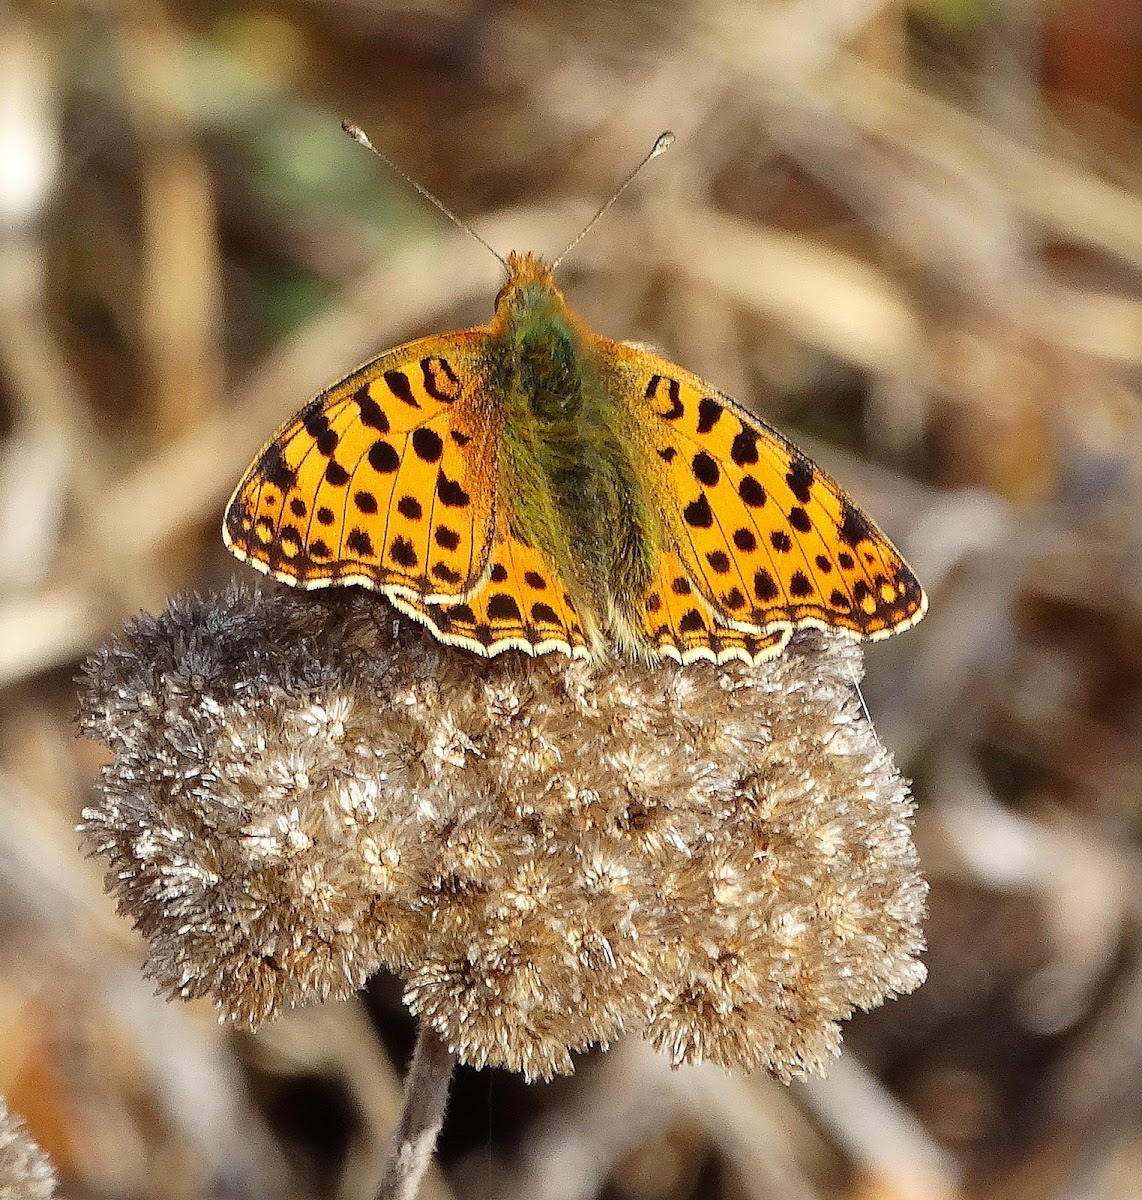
x: 26, y: 1172
x: 548, y: 854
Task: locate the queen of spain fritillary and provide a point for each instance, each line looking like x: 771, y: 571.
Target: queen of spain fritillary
x: 528, y: 484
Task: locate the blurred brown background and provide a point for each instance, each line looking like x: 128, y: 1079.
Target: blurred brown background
x: 909, y: 234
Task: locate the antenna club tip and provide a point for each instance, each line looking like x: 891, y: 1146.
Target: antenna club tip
x: 664, y: 142
x: 355, y: 132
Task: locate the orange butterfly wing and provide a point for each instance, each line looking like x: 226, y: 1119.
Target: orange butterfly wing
x: 762, y: 533
x: 523, y: 606
x: 386, y: 480
x: 678, y: 623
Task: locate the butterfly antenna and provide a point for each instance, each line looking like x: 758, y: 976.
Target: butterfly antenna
x: 663, y: 143
x: 359, y: 135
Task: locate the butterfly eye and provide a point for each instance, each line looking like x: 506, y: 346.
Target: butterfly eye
x: 502, y: 293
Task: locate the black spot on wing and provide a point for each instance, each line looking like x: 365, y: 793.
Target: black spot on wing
x: 752, y: 492
x: 743, y: 450
x: 705, y: 469
x: 698, y: 513
x: 451, y: 493
x: 410, y: 507
x: 764, y: 586
x: 273, y: 468
x: 445, y: 574
x: 502, y: 607
x: 403, y: 553
x: 799, y: 519
x: 428, y: 444
x: 691, y: 622
x: 709, y: 414
x: 401, y: 388
x: 854, y: 527
x: 800, y: 586
x: 371, y: 414
x: 383, y: 457
x: 440, y: 381
x: 316, y: 424
x: 360, y: 543
x: 800, y: 478
x: 335, y: 474
x: 673, y: 391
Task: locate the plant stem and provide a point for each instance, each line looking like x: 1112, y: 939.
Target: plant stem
x: 413, y: 1140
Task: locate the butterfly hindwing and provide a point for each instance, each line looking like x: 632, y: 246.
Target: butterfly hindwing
x: 522, y: 605
x: 679, y: 623
x: 765, y: 536
x: 385, y: 480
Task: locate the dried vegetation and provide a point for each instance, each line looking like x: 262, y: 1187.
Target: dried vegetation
x: 912, y: 236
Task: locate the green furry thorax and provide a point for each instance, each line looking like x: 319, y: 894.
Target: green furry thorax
x: 571, y: 485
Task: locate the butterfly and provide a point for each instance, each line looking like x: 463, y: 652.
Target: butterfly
x: 531, y: 485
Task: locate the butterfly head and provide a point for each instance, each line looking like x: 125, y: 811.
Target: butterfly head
x: 530, y: 292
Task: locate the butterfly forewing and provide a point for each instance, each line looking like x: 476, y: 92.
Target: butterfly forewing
x: 386, y: 480
x: 763, y: 533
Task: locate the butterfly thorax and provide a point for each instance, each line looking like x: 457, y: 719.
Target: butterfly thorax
x: 568, y: 479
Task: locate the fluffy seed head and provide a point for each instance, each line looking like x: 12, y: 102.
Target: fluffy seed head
x: 26, y: 1172
x: 548, y: 854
